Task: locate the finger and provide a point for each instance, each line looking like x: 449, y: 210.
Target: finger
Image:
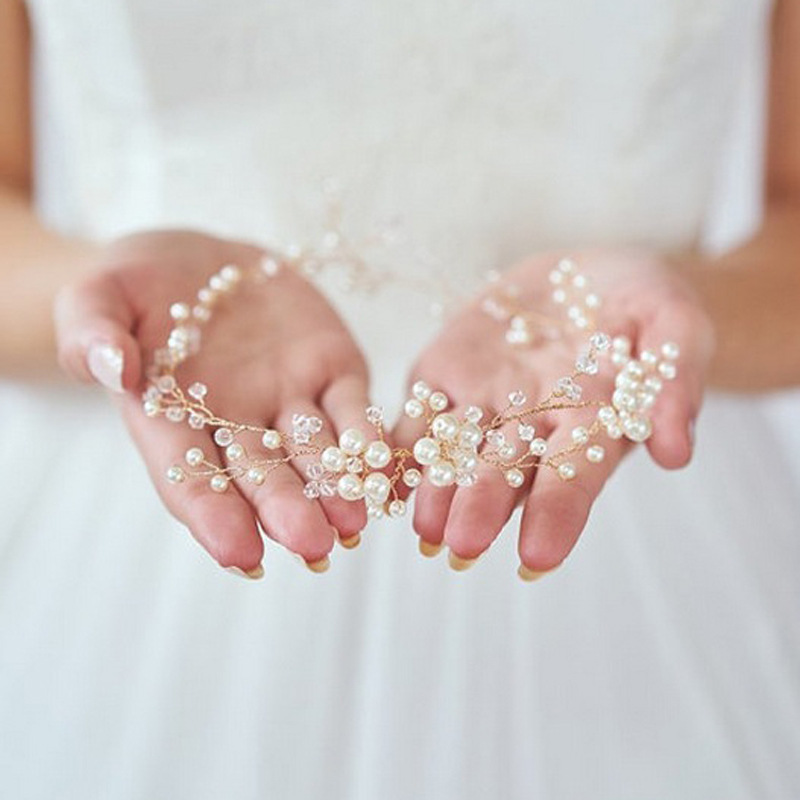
x: 478, y: 513
x: 345, y: 402
x: 348, y: 518
x: 431, y: 503
x: 556, y: 510
x: 285, y: 513
x: 223, y: 523
x: 682, y: 343
x: 93, y: 321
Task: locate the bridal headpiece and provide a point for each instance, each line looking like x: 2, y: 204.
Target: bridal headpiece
x: 450, y: 448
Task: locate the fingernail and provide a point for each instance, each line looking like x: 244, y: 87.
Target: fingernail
x: 428, y: 549
x: 530, y: 575
x: 692, y: 424
x: 251, y: 574
x: 105, y: 363
x: 319, y: 566
x: 351, y: 541
x: 459, y: 564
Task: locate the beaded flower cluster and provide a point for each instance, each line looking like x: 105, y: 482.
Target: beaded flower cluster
x: 450, y: 448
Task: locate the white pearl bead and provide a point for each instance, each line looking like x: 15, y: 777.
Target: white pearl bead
x: 614, y: 431
x: 421, y: 390
x: 255, y: 476
x: 219, y: 483
x: 621, y: 344
x: 426, y: 450
x: 566, y: 265
x: 195, y: 456
x: 414, y: 409
x: 623, y: 400
x: 438, y: 401
x: 412, y: 477
x: 378, y: 454
x: 580, y: 435
x: 352, y: 441
x: 234, y: 451
x: 595, y: 454
x: 333, y: 459
x: 271, y: 439
x: 350, y: 487
x: 175, y: 474
x: 515, y: 478
x: 670, y: 351
x: 667, y: 370
x: 230, y: 273
x: 579, y: 281
x: 637, y: 429
x: 538, y: 447
x: 556, y: 277
x: 445, y: 426
x: 179, y: 311
x: 223, y: 436
x: 606, y: 415
x: 377, y: 486
x: 567, y: 471
x: 466, y: 461
x: 653, y: 384
x: 470, y: 435
x: 441, y: 473
x: 648, y: 358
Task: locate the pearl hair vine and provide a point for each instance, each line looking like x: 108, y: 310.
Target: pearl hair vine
x: 363, y: 466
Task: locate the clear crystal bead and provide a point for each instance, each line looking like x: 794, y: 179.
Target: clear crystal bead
x: 526, y: 432
x: 355, y: 466
x: 311, y: 490
x: 166, y: 384
x: 466, y: 479
x: 517, y: 398
x: 587, y: 365
x: 196, y: 421
x: 198, y: 390
x: 327, y: 488
x: 175, y: 414
x: 397, y: 508
x: 315, y: 471
x: 473, y: 414
x: 375, y: 415
x: 600, y: 341
x: 495, y: 438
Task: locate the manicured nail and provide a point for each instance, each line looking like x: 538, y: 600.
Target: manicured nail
x: 459, y: 564
x: 530, y: 575
x: 105, y: 363
x: 351, y: 541
x: 428, y: 549
x: 251, y: 574
x: 319, y: 566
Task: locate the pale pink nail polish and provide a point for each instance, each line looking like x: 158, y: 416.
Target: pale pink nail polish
x: 105, y: 362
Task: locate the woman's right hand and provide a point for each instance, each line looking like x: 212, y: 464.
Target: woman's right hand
x: 281, y: 350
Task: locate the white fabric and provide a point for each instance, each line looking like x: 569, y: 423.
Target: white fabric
x: 661, y: 662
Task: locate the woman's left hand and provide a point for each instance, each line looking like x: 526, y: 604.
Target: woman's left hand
x: 474, y: 365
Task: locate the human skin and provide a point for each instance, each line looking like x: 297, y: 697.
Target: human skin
x: 750, y: 295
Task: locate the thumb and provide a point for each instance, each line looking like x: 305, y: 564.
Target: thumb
x: 93, y: 320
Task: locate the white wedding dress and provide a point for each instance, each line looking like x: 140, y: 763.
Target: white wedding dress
x: 661, y: 662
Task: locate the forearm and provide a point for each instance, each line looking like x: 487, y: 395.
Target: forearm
x: 752, y: 294
x: 34, y: 263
